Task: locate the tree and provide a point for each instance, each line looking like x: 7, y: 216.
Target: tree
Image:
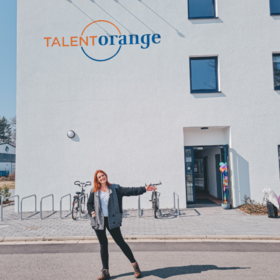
x: 13, y: 123
x: 5, y: 131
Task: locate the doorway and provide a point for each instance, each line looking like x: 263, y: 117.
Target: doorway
x: 203, y: 178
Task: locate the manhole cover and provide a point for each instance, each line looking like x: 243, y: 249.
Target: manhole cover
x: 32, y: 228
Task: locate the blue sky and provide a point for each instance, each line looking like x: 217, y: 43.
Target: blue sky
x: 8, y: 40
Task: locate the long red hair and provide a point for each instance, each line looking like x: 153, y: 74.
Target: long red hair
x: 96, y: 184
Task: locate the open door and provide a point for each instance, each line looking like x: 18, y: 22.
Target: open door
x: 189, y: 175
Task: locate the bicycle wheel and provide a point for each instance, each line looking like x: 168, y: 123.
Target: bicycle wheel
x: 75, y: 208
x: 155, y: 205
x: 83, y: 206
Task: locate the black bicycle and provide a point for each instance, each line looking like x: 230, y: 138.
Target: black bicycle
x: 155, y: 200
x: 80, y: 196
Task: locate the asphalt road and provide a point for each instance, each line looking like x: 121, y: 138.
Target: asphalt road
x: 157, y: 261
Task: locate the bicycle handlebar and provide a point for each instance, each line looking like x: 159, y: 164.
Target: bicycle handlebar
x: 78, y: 183
x: 154, y: 184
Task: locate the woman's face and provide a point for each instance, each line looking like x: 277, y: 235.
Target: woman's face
x: 101, y: 178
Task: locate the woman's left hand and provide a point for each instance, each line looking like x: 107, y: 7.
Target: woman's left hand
x: 151, y: 188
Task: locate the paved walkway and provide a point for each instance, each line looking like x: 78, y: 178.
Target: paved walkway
x: 201, y: 221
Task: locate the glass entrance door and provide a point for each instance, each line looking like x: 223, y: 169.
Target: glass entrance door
x: 189, y: 174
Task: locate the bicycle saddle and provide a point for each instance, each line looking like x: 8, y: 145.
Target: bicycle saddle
x: 78, y: 192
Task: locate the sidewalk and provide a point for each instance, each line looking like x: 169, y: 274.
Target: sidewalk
x: 198, y: 223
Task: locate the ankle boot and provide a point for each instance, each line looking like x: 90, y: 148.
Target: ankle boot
x: 105, y: 274
x: 137, y: 271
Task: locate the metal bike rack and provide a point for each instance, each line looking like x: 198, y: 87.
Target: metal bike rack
x: 41, y: 204
x: 139, y: 210
x: 61, y: 204
x: 178, y: 211
x: 2, y: 202
x: 80, y: 205
x: 25, y: 198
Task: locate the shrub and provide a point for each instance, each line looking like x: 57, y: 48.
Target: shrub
x: 5, y: 191
x: 252, y: 207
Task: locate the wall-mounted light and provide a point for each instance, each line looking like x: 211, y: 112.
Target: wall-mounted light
x: 203, y: 128
x: 71, y: 134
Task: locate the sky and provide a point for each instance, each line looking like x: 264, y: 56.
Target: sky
x: 8, y: 47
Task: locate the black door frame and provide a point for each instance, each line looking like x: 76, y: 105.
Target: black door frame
x: 192, y: 151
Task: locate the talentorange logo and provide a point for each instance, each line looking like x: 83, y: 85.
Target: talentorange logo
x: 108, y: 40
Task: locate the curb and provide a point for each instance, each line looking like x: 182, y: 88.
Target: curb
x: 144, y: 237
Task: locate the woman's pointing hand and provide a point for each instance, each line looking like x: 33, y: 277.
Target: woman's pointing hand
x: 151, y: 188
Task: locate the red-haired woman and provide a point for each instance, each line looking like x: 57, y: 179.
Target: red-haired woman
x: 105, y: 208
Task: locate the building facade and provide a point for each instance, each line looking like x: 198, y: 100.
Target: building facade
x: 157, y: 90
x: 7, y: 159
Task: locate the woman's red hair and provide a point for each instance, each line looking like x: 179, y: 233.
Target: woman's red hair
x: 96, y: 184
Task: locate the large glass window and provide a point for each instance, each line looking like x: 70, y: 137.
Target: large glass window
x: 202, y: 9
x: 204, y: 74
x: 275, y: 7
x: 276, y: 71
x: 7, y: 158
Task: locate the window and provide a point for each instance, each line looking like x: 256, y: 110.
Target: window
x: 204, y: 74
x: 202, y: 9
x: 276, y: 71
x: 7, y: 158
x: 275, y: 7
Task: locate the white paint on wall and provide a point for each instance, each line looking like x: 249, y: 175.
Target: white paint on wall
x: 129, y: 113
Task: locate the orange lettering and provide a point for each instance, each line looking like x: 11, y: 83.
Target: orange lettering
x: 63, y: 45
x: 73, y: 40
x: 55, y: 42
x: 47, y: 38
x: 93, y: 39
x: 85, y: 42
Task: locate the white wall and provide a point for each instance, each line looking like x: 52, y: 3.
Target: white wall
x: 129, y: 112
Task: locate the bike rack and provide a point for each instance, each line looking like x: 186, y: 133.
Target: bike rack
x: 2, y: 202
x: 174, y: 208
x: 139, y: 210
x: 25, y: 198
x: 41, y: 204
x: 80, y: 205
x: 61, y: 204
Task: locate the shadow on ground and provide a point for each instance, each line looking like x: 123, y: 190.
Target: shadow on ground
x: 167, y: 272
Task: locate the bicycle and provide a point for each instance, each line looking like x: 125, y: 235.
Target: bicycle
x: 155, y: 200
x: 76, y: 199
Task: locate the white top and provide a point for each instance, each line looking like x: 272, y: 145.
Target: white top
x: 104, y: 198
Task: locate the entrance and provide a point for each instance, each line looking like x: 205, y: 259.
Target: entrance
x: 203, y: 177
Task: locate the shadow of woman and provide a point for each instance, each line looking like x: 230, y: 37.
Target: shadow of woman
x: 167, y: 272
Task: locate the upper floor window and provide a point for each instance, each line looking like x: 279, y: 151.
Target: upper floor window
x: 202, y: 9
x: 204, y: 74
x: 276, y: 71
x: 275, y: 7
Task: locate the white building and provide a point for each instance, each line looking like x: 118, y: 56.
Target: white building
x: 138, y: 109
x: 7, y: 159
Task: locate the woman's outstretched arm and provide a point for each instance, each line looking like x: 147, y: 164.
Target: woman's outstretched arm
x: 135, y: 191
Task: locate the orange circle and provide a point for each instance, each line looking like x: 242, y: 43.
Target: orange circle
x: 100, y: 21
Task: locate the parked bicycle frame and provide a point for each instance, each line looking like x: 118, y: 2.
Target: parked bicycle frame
x: 155, y: 200
x: 76, y: 200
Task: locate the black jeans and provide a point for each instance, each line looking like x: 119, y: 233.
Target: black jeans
x: 117, y: 236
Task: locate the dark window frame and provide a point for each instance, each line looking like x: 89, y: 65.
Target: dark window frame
x: 215, y: 14
x: 216, y: 90
x: 275, y: 87
x: 273, y: 14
